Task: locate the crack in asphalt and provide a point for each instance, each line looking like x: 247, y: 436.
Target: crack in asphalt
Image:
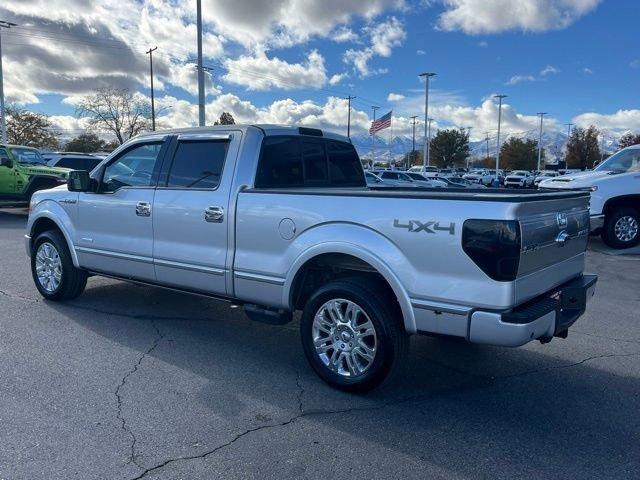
x: 120, y: 416
x: 604, y: 337
x: 18, y: 297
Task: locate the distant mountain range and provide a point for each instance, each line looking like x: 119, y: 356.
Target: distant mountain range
x: 554, y: 144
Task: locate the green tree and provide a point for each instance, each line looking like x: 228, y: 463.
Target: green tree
x: 30, y: 129
x: 583, y: 149
x: 449, y: 147
x: 85, y: 143
x: 225, y: 119
x: 629, y: 139
x: 518, y: 154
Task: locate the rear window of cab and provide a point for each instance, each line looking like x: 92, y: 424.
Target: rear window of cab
x: 298, y: 161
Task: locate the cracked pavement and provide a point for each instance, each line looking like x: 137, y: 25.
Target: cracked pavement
x: 130, y: 382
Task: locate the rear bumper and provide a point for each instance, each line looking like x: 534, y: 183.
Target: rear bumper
x: 544, y: 317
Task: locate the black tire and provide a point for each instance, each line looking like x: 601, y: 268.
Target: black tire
x: 381, y: 307
x: 615, y: 239
x: 72, y: 281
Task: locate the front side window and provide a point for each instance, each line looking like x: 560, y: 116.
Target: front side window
x: 198, y: 164
x: 134, y: 168
x: 390, y: 175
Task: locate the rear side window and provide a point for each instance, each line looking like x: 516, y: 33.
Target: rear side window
x: 300, y: 161
x: 198, y: 164
x: 280, y: 163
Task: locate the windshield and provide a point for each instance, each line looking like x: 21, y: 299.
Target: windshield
x: 28, y: 155
x: 519, y: 172
x: 624, y: 161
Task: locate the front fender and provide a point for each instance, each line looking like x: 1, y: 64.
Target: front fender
x: 53, y: 211
x: 357, y: 241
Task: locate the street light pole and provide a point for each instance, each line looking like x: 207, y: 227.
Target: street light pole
x: 499, y: 97
x: 413, y: 142
x: 201, y: 117
x: 349, y: 98
x: 541, y: 114
x: 429, y: 136
x: 3, y: 113
x: 153, y: 103
x: 427, y: 76
x: 468, y: 138
x: 487, y: 139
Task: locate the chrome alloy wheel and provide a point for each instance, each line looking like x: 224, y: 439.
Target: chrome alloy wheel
x: 48, y: 267
x: 344, y: 338
x: 626, y: 228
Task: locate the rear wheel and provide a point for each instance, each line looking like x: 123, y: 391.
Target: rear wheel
x: 622, y: 228
x: 353, y: 335
x: 53, y: 272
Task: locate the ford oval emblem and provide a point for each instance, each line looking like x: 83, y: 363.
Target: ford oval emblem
x: 561, y: 219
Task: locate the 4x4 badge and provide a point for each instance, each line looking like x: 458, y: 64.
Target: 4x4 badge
x: 415, y: 226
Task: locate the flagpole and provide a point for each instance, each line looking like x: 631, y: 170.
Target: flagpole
x: 373, y: 138
x: 390, y: 136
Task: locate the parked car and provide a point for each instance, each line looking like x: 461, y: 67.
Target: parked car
x: 422, y: 181
x: 374, y: 180
x: 279, y: 219
x: 519, y: 179
x: 459, y: 182
x: 423, y: 169
x: 23, y: 171
x: 397, y: 178
x: 482, y: 177
x: 615, y: 196
x: 545, y: 175
x: 72, y: 160
x: 447, y: 172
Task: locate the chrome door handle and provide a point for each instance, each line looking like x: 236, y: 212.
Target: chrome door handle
x: 214, y: 214
x: 143, y: 209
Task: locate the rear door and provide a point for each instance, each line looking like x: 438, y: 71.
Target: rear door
x: 191, y: 212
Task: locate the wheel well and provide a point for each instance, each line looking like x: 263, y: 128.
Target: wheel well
x: 632, y: 201
x: 43, y: 225
x: 41, y: 183
x: 331, y: 266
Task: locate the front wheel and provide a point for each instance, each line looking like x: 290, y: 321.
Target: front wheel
x: 353, y: 335
x: 622, y: 228
x: 52, y: 268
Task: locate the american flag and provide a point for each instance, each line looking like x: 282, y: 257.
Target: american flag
x: 381, y: 123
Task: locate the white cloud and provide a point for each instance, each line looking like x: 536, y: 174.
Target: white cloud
x: 395, y: 97
x: 587, y: 70
x: 337, y: 78
x: 262, y: 73
x: 492, y: 16
x: 383, y: 38
x: 344, y: 35
x: 549, y: 70
x: 483, y: 44
x: 620, y: 120
x: 519, y: 79
x: 420, y: 52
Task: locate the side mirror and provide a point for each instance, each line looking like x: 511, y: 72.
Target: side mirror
x: 79, y: 181
x: 6, y: 162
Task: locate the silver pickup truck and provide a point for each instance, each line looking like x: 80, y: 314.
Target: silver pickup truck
x: 279, y: 219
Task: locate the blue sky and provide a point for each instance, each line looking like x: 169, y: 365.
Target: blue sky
x: 291, y: 61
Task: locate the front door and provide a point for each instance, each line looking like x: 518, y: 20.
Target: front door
x: 191, y: 212
x: 114, y: 229
x: 7, y: 176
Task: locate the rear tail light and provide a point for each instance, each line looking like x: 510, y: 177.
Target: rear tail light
x: 494, y: 246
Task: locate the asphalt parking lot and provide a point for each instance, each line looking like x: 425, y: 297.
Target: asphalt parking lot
x: 135, y: 382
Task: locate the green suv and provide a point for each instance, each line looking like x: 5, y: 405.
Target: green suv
x: 24, y: 171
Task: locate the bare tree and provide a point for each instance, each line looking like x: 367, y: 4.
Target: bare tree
x: 30, y: 129
x: 118, y: 110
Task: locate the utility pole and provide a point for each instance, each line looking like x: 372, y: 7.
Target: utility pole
x: 201, y: 120
x: 373, y: 137
x: 497, y: 180
x: 569, y: 125
x: 429, y: 136
x: 349, y: 98
x: 427, y: 76
x: 3, y: 112
x: 487, y: 139
x: 413, y: 143
x: 541, y: 114
x: 153, y: 103
x: 468, y: 138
